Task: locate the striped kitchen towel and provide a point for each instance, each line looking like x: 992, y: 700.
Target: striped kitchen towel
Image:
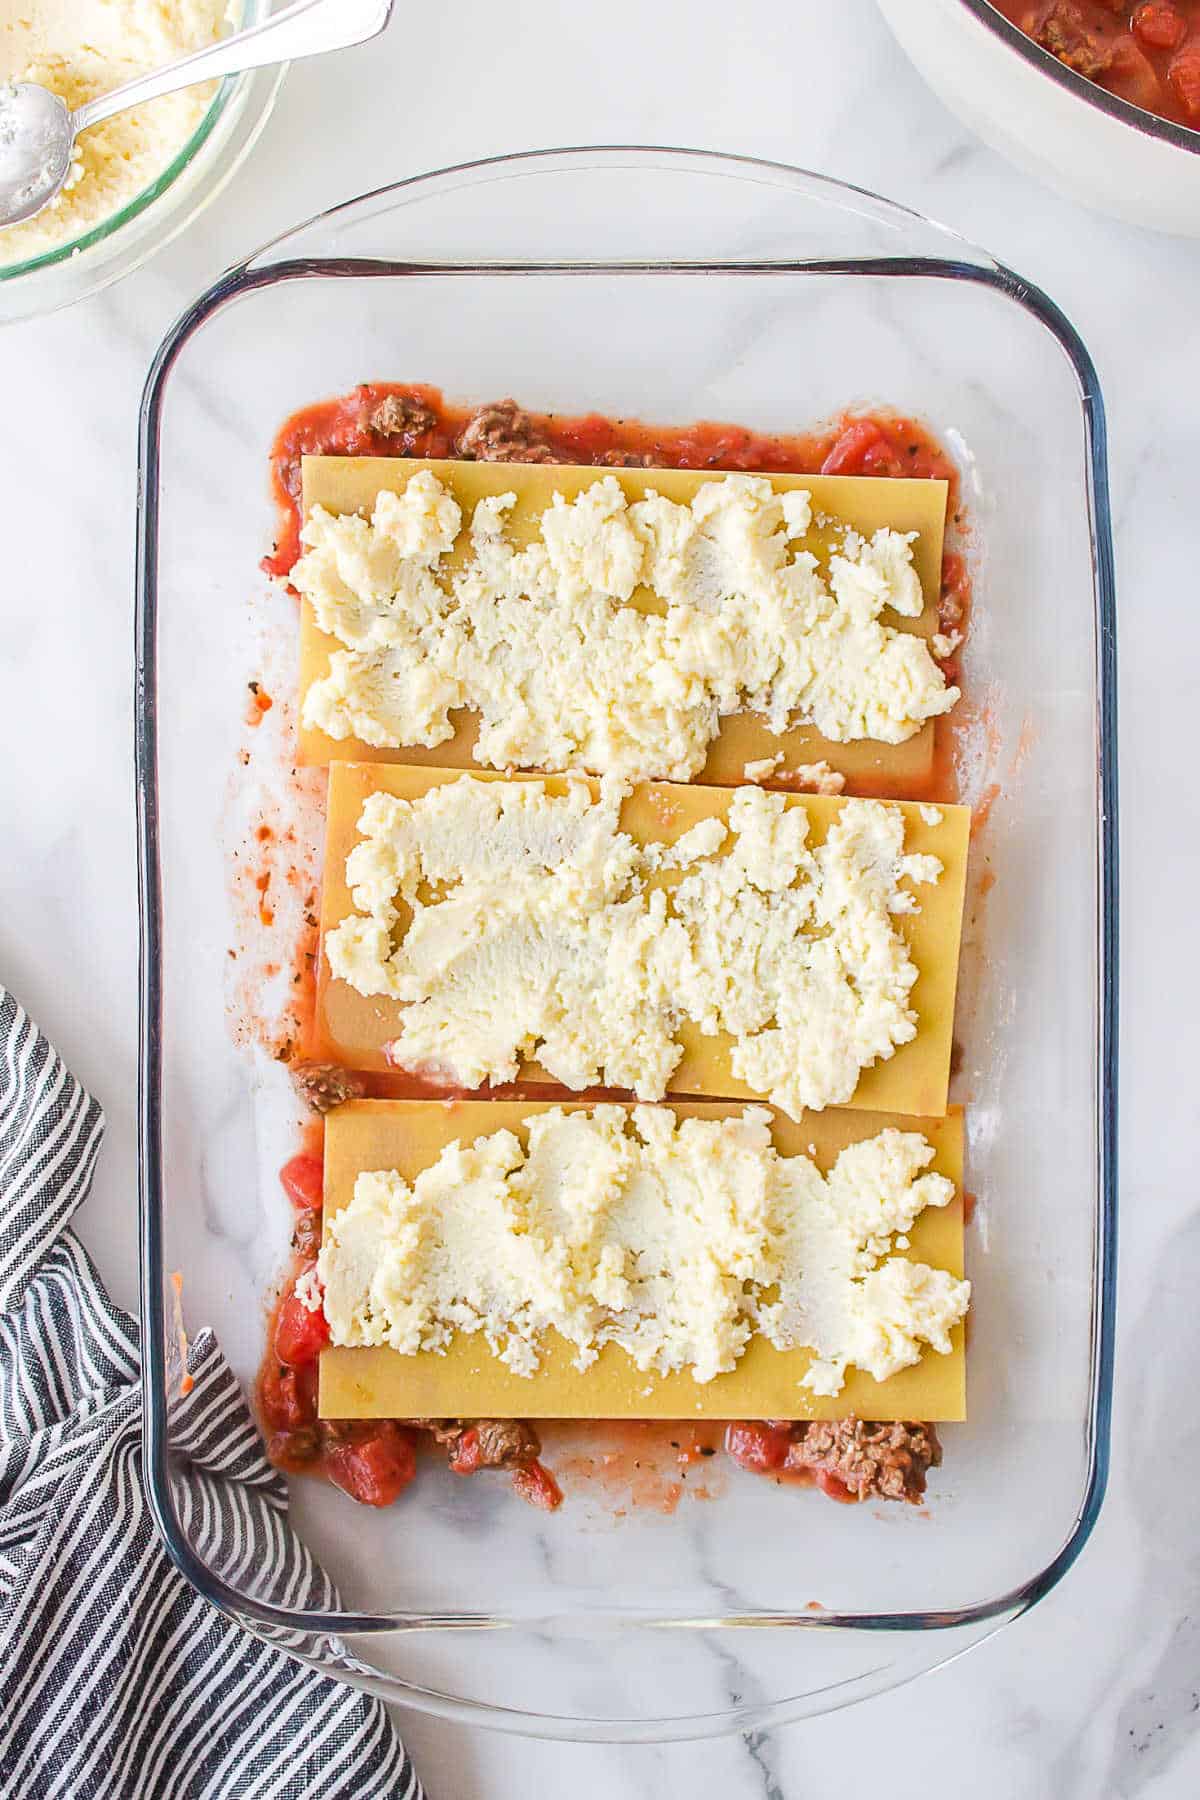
x: 117, y: 1680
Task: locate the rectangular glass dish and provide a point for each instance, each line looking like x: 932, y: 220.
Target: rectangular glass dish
x: 672, y: 287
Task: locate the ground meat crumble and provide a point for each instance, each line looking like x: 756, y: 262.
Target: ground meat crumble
x: 322, y: 1086
x: 502, y: 432
x: 399, y: 415
x: 884, y: 1461
x: 1064, y: 31
x: 473, y: 1444
x: 848, y: 1459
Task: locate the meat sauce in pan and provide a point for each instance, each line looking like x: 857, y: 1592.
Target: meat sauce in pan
x: 1147, y: 53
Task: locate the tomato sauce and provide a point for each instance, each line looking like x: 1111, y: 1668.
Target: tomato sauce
x: 375, y: 1461
x: 642, y: 1463
x: 764, y: 1447
x: 1147, y: 53
x: 874, y: 444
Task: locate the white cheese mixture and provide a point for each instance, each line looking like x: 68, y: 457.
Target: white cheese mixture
x: 515, y: 924
x: 676, y: 1239
x: 763, y: 768
x: 564, y: 673
x: 805, y: 778
x: 81, y: 49
x: 816, y: 778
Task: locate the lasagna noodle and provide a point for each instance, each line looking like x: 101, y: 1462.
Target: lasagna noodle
x: 466, y: 1381
x: 342, y: 484
x: 353, y: 1029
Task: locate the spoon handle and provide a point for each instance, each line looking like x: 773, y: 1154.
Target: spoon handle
x: 305, y: 28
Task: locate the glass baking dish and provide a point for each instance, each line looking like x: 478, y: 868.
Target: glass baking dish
x: 672, y: 286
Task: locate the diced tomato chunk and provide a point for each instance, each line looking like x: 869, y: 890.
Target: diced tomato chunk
x: 375, y: 1469
x: 300, y: 1335
x: 288, y: 1397
x: 294, y: 1449
x: 1184, y: 77
x: 1132, y: 75
x: 303, y: 1181
x: 537, y: 1485
x: 833, y: 1489
x: 1159, y: 26
x: 881, y: 459
x: 757, y: 1445
x: 846, y: 456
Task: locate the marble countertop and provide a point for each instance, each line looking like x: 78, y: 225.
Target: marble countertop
x: 1097, y: 1693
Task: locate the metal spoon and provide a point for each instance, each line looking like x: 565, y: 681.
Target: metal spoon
x: 38, y: 131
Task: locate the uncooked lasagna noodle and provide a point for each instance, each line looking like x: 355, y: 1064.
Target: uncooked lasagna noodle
x: 361, y: 1029
x: 467, y: 1381
x: 342, y: 485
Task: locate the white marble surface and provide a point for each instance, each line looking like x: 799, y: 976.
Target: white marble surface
x: 1098, y: 1692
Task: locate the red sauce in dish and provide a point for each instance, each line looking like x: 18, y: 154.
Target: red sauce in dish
x: 872, y: 444
x: 642, y: 1463
x: 375, y: 1461
x: 1146, y: 52
x: 763, y: 1447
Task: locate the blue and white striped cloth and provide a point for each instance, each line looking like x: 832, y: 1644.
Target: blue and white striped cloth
x: 117, y: 1681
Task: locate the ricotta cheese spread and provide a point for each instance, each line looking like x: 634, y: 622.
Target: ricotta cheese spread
x: 763, y: 768
x: 514, y: 923
x: 816, y: 778
x: 81, y: 49
x: 563, y: 672
x: 675, y: 1239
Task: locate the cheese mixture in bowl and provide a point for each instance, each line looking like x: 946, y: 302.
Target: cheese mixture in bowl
x: 84, y: 48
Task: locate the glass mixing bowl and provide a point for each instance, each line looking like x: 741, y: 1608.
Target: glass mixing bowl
x: 210, y: 158
x: 674, y: 286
